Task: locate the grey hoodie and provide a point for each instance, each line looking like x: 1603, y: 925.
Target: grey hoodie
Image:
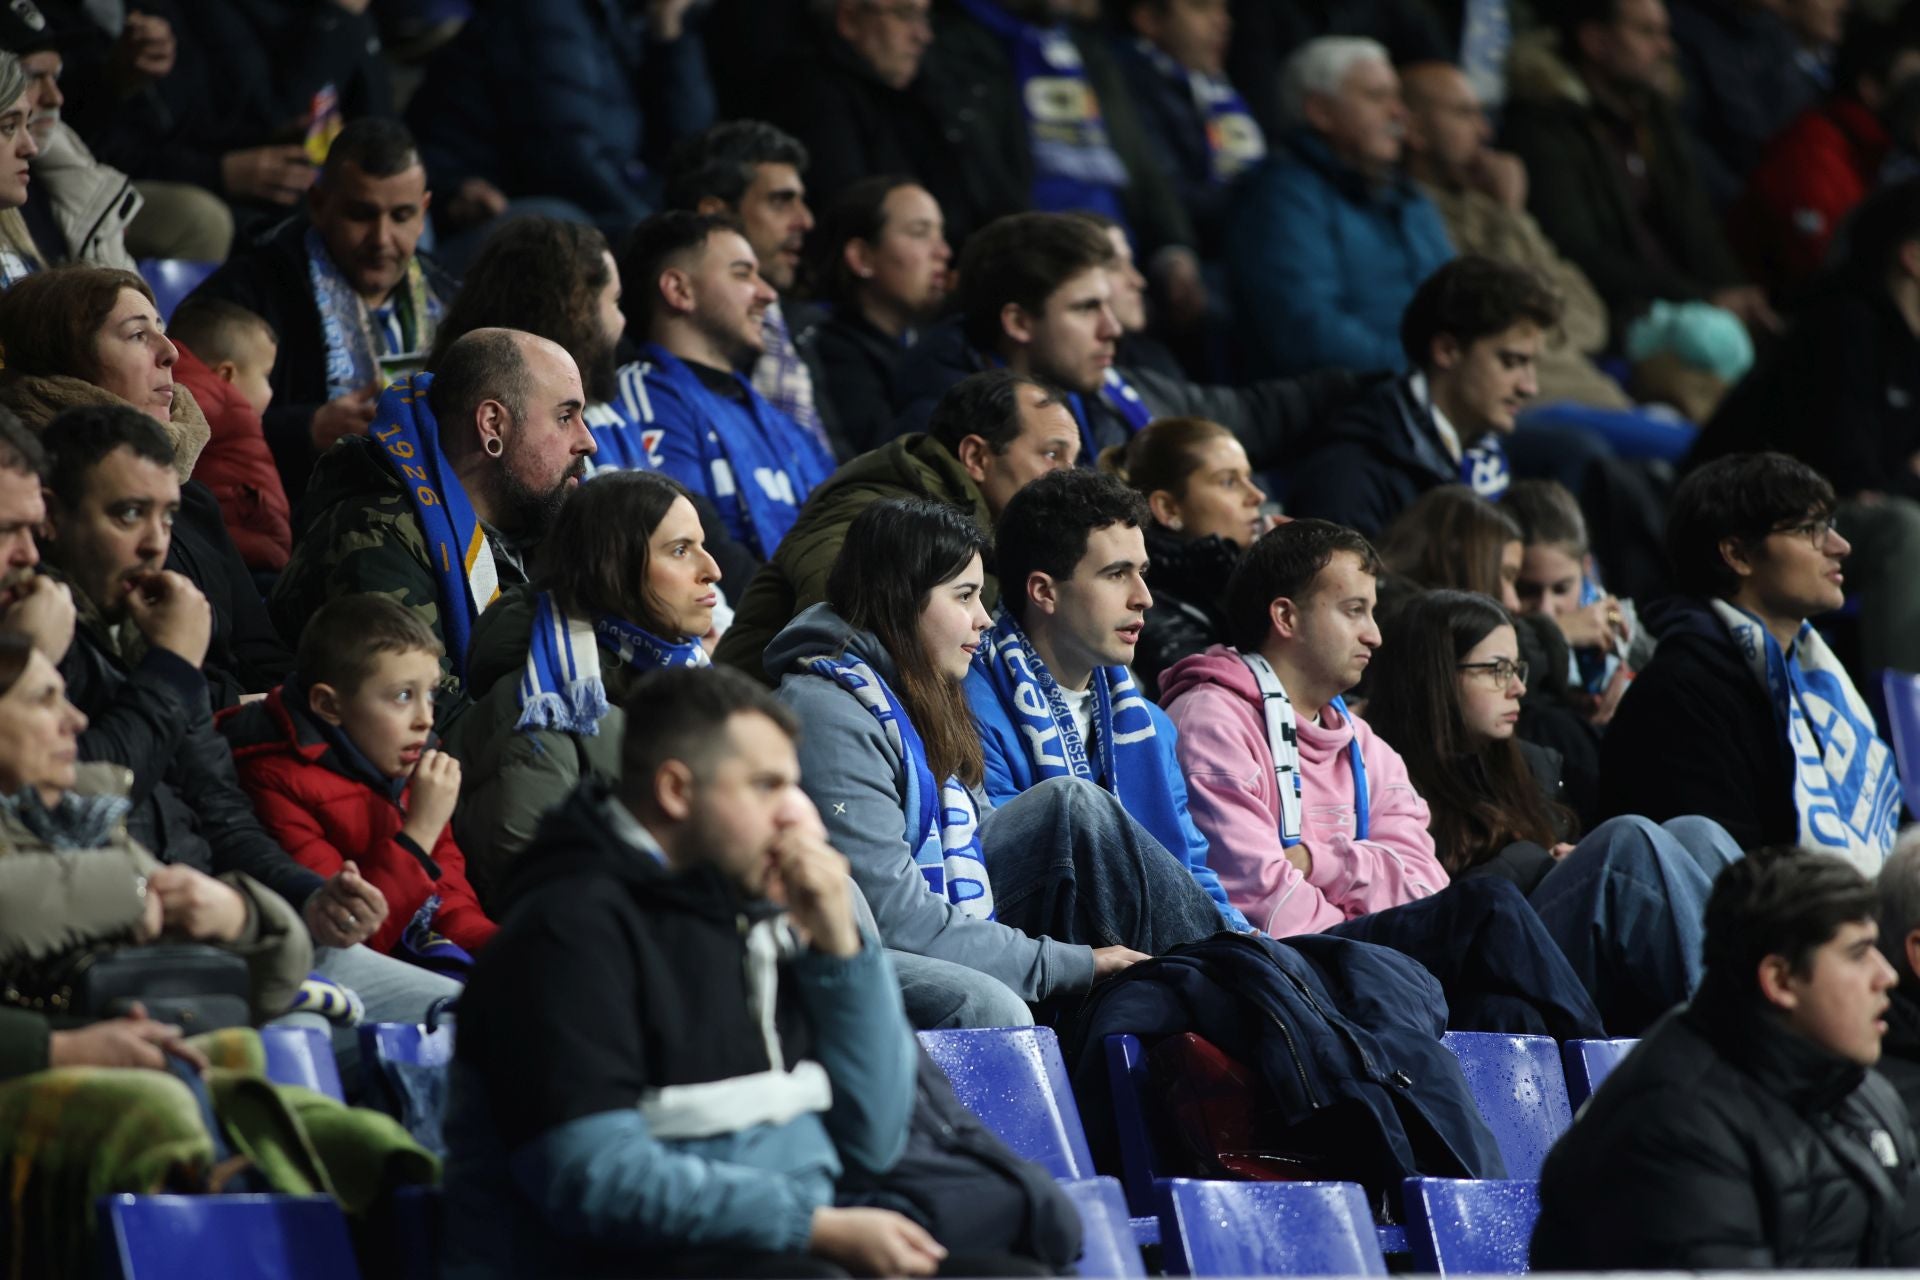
x: 859, y: 783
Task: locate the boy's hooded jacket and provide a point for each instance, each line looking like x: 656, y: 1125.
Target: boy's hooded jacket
x: 1215, y: 704
x: 324, y: 808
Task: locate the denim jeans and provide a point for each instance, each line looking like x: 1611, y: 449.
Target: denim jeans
x: 941, y: 995
x: 1069, y: 863
x: 1628, y: 907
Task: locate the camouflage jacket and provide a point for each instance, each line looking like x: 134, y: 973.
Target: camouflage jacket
x: 362, y: 535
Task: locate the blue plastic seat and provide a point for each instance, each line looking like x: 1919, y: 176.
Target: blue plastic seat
x: 1902, y: 693
x: 1129, y: 1082
x: 1014, y: 1079
x: 406, y: 1044
x: 1109, y: 1248
x: 1267, y: 1229
x: 1460, y: 1227
x: 302, y: 1056
x: 1521, y: 1090
x: 1588, y: 1062
x: 195, y: 1237
x: 172, y: 279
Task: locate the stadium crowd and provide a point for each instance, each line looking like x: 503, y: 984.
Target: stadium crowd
x: 834, y: 518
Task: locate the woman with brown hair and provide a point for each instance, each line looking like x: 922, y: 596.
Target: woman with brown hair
x: 1627, y: 902
x: 1206, y: 513
x: 623, y: 585
x: 985, y: 913
x: 80, y: 336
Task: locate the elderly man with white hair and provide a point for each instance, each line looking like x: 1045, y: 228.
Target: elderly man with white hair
x: 1327, y: 238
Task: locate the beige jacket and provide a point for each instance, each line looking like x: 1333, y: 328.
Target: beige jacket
x: 55, y: 902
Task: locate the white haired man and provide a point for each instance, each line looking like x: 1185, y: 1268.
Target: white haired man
x: 1328, y: 238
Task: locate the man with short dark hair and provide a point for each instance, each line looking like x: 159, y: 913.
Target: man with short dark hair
x: 681, y: 1036
x: 1036, y: 295
x: 1744, y: 715
x: 1749, y: 1131
x: 30, y: 602
x: 1051, y: 692
x: 750, y: 171
x: 440, y: 505
x: 695, y: 299
x: 991, y: 435
x: 1472, y: 336
x: 354, y: 303
x: 134, y: 669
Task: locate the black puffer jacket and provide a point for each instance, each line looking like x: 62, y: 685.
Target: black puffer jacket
x: 1727, y: 1142
x: 1189, y: 582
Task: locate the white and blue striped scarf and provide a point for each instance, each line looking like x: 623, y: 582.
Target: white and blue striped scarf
x: 561, y: 687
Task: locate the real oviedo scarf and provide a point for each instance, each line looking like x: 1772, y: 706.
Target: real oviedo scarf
x: 463, y: 571
x: 1124, y: 756
x: 943, y: 827
x: 561, y: 687
x: 1846, y: 790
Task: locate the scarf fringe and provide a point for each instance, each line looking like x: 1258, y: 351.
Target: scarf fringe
x: 578, y: 708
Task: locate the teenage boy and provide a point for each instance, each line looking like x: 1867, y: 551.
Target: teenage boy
x: 1051, y: 691
x: 1749, y: 1131
x: 1744, y: 715
x: 340, y: 765
x: 681, y: 1038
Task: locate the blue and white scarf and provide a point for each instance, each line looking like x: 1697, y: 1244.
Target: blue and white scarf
x: 1124, y: 756
x: 1482, y: 465
x: 1846, y: 789
x: 784, y: 379
x: 1283, y: 746
x: 1074, y: 163
x: 943, y: 827
x: 561, y: 687
x: 1234, y: 140
x: 463, y: 569
x: 1117, y: 394
x: 364, y: 345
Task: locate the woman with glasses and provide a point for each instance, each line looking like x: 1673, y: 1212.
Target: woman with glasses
x: 1626, y: 901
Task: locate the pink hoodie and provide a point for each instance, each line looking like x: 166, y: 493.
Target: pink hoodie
x: 1215, y: 704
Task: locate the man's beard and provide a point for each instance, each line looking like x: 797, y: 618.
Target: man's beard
x: 529, y: 513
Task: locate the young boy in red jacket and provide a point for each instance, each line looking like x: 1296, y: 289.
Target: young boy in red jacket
x: 339, y: 762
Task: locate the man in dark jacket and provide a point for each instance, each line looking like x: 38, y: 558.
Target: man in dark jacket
x: 1744, y: 715
x: 134, y: 669
x: 354, y: 304
x: 991, y: 435
x: 1472, y: 335
x: 1742, y: 68
x: 1842, y: 394
x: 1748, y: 1131
x: 682, y: 1037
x: 1036, y: 296
x: 1613, y: 180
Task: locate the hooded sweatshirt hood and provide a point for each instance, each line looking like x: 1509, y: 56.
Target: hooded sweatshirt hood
x: 818, y: 631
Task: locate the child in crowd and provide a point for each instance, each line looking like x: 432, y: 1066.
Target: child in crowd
x: 226, y: 355
x: 1558, y: 580
x: 340, y: 765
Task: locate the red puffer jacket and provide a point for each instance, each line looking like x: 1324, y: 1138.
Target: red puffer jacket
x: 323, y: 815
x: 239, y: 468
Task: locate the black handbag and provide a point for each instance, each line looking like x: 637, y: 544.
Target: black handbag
x: 197, y: 988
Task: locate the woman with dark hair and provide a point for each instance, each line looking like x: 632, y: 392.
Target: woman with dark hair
x: 1626, y: 902
x: 623, y: 585
x: 78, y: 336
x: 1206, y: 513
x: 986, y: 913
x: 880, y: 260
x: 559, y: 281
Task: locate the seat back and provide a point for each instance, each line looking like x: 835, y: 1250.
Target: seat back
x: 1521, y: 1090
x: 1014, y: 1079
x: 193, y: 1237
x: 1267, y: 1229
x: 302, y: 1056
x: 1129, y: 1082
x: 1108, y: 1247
x: 1588, y: 1062
x: 1459, y: 1227
x: 172, y: 279
x: 1902, y: 692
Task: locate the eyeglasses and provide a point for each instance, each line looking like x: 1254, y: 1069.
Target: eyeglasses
x: 1815, y: 531
x: 1498, y: 674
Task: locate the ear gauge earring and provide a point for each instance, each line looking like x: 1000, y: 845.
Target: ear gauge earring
x: 494, y: 447
x: 1176, y: 524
